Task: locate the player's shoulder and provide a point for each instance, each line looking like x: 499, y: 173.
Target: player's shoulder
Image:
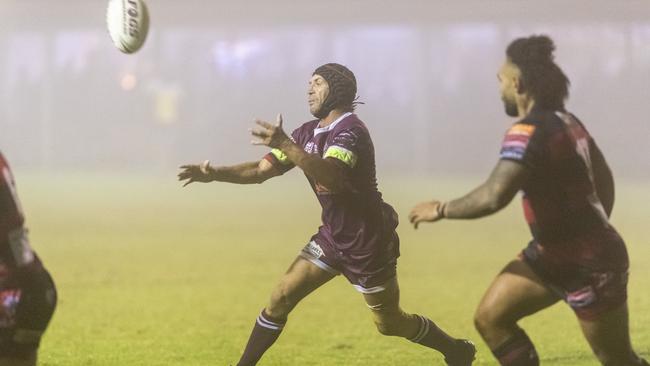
x: 535, y: 122
x: 305, y: 130
x: 351, y: 123
x: 542, y: 118
x: 308, y: 126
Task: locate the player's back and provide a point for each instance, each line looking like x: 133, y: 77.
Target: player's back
x: 560, y: 198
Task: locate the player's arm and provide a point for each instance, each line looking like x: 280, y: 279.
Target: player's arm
x: 330, y: 173
x: 603, y: 178
x: 246, y: 173
x: 496, y: 192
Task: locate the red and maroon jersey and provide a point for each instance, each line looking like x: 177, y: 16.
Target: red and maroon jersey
x: 15, y: 250
x: 356, y: 219
x: 560, y: 199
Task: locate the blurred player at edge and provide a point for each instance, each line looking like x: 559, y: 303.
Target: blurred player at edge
x: 27, y: 293
x: 568, y: 195
x: 357, y: 238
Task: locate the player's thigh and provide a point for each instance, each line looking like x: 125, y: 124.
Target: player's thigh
x: 386, y: 300
x: 301, y: 278
x: 609, y: 336
x: 515, y: 293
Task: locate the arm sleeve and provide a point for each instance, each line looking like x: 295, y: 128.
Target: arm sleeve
x: 522, y: 143
x: 345, y: 147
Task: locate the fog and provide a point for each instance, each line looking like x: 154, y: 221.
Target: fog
x: 426, y: 72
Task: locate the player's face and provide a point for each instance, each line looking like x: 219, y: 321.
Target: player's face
x: 317, y: 93
x: 508, y: 83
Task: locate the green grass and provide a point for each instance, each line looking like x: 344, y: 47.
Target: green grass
x: 152, y: 274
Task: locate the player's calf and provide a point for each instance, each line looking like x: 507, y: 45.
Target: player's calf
x: 392, y: 321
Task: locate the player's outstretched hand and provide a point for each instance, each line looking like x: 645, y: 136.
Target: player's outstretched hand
x: 195, y: 173
x: 269, y: 134
x: 430, y: 211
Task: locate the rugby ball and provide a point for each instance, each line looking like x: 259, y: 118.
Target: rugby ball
x: 128, y: 24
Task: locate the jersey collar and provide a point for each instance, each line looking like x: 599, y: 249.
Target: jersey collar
x: 331, y: 125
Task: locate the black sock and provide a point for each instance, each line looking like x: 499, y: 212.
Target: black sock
x: 517, y: 351
x: 429, y: 335
x: 264, y: 334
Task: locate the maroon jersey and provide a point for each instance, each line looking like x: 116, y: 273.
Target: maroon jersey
x: 357, y: 219
x: 15, y: 250
x: 560, y: 199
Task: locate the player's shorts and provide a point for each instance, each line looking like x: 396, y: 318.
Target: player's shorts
x: 369, y: 272
x: 590, y: 272
x: 26, y: 307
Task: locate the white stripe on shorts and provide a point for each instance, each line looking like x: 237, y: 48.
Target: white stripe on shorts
x: 319, y: 263
x: 370, y: 290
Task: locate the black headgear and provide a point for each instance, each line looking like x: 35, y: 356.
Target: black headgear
x: 342, y: 89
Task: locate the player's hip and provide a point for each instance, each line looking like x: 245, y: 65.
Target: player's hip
x: 27, y: 304
x: 590, y: 273
x: 363, y: 265
x: 600, y: 248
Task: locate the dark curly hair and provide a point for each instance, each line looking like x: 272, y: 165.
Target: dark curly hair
x: 541, y: 77
x: 342, y: 89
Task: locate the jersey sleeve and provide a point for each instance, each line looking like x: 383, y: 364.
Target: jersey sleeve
x: 522, y: 143
x: 279, y: 159
x: 345, y: 147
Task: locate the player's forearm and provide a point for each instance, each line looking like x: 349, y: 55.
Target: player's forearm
x: 479, y: 203
x: 246, y: 173
x: 322, y: 171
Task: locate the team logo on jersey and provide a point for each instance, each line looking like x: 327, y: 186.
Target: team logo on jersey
x: 311, y: 148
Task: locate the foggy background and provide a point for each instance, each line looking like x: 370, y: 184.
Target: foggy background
x: 426, y: 70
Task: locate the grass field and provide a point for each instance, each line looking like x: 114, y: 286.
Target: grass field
x: 152, y: 274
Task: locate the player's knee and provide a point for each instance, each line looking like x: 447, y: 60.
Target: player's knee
x: 486, y: 320
x: 390, y: 324
x: 281, y: 303
x: 387, y: 328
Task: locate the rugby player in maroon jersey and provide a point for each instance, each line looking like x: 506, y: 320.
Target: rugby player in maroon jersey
x: 568, y: 194
x: 357, y: 238
x: 27, y: 292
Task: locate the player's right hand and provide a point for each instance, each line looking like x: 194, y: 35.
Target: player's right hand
x: 196, y: 173
x: 429, y: 211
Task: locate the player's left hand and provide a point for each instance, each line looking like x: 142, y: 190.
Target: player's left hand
x: 268, y: 134
x: 196, y: 173
x: 430, y: 211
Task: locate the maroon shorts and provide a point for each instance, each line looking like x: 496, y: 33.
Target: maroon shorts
x: 590, y: 272
x: 27, y: 301
x: 367, y: 271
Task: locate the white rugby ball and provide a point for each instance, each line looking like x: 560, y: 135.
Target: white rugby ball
x: 128, y: 24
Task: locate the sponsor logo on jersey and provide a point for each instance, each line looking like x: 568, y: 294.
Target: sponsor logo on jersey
x: 521, y: 129
x: 314, y: 249
x: 321, y: 190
